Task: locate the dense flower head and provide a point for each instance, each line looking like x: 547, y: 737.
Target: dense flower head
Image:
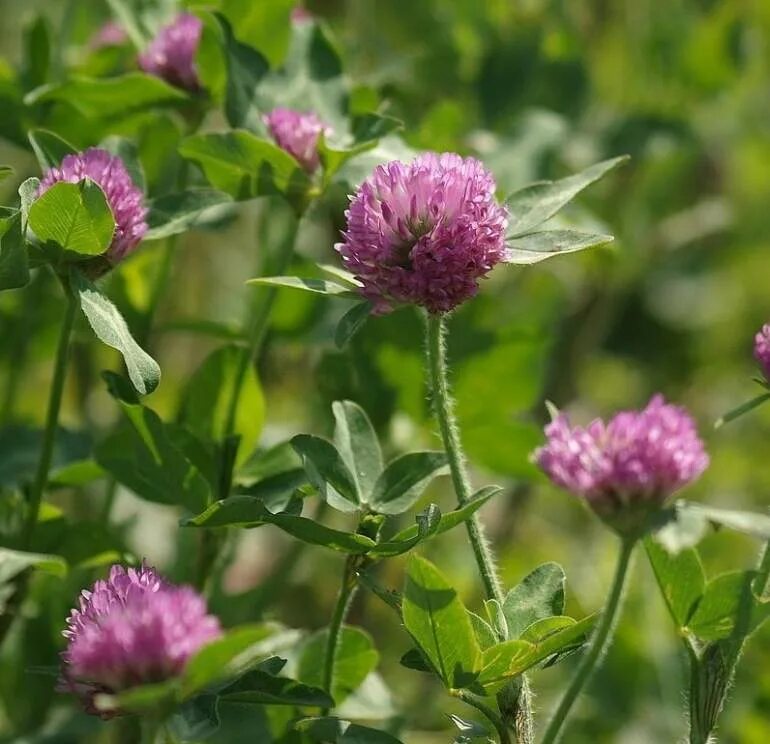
x: 133, y: 628
x: 762, y: 349
x: 424, y: 232
x: 107, y: 35
x: 297, y: 133
x: 125, y: 199
x: 638, y: 458
x: 171, y: 54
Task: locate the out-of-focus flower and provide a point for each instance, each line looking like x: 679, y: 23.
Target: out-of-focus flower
x: 171, y: 54
x: 762, y: 349
x: 297, y: 133
x: 424, y: 232
x: 108, y: 34
x: 124, y: 198
x: 300, y: 14
x: 132, y: 629
x: 628, y: 466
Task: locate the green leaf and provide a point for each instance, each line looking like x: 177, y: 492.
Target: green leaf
x: 741, y: 409
x: 367, y: 130
x: 197, y: 719
x: 27, y: 195
x: 533, y: 205
x: 141, y: 699
x: 143, y: 455
x: 110, y: 328
x: 680, y: 578
x: 246, y: 511
x: 356, y: 442
x: 226, y: 657
x: 208, y: 394
x: 540, y: 594
x: 316, y: 286
x: 246, y: 68
x: 246, y: 166
x: 470, y: 730
x: 311, y: 78
x: 485, y: 635
x: 13, y: 562
x: 260, y: 688
x: 75, y: 216
x: 750, y: 523
x: 504, y: 660
x: 173, y: 214
x: 14, y: 265
x: 36, y: 62
x: 355, y: 658
x: 538, y: 246
x: 351, y: 323
x: 728, y: 604
x: 404, y: 480
x: 49, y: 148
x: 6, y: 171
x: 438, y: 622
x: 109, y: 98
x: 337, y: 731
x: 327, y: 471
x: 405, y: 540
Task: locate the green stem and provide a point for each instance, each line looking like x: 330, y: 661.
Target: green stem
x: 487, y: 712
x: 52, y: 420
x: 344, y: 600
x: 444, y: 409
x: 600, y: 641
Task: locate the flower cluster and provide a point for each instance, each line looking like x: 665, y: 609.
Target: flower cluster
x: 637, y: 459
x: 762, y: 349
x: 124, y: 198
x: 134, y: 628
x: 171, y: 54
x: 424, y: 232
x: 298, y: 134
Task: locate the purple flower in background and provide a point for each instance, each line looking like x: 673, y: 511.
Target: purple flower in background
x: 636, y: 460
x: 125, y: 199
x: 424, y: 232
x: 298, y: 134
x: 132, y: 629
x: 171, y: 54
x: 107, y: 35
x: 762, y: 349
x: 300, y: 14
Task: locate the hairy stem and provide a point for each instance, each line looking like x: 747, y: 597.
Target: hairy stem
x: 600, y: 641
x: 487, y: 712
x: 341, y: 608
x: 52, y: 420
x: 450, y: 435
x: 520, y: 715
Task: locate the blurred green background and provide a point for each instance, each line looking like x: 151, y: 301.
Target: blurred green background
x: 537, y: 89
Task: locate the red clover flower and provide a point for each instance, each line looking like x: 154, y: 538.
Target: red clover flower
x: 424, y: 232
x: 124, y: 198
x: 134, y: 628
x: 297, y: 133
x: 171, y: 54
x: 631, y: 464
x: 762, y: 350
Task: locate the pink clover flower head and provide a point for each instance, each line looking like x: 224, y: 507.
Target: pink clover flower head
x: 108, y: 34
x: 171, y: 54
x: 762, y: 349
x: 300, y: 14
x: 424, y: 232
x: 131, y: 629
x: 632, y: 463
x: 123, y: 196
x: 297, y: 133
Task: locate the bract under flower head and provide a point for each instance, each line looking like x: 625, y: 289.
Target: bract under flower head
x: 424, y: 232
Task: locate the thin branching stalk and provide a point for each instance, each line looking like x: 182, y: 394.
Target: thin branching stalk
x: 52, y: 420
x: 487, y: 712
x: 600, y: 642
x: 342, y: 606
